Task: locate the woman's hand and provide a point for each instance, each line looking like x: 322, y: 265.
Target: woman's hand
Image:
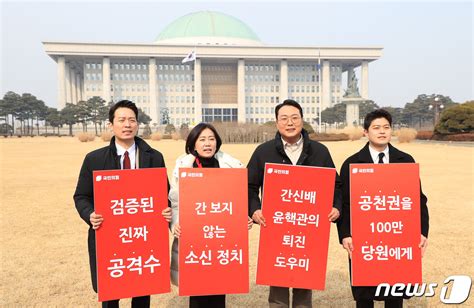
x: 167, y: 214
x: 249, y: 223
x: 177, y: 231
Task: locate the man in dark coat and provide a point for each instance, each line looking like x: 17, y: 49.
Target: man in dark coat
x: 378, y: 129
x: 291, y: 146
x: 125, y: 151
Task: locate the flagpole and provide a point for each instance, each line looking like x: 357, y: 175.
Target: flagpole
x: 194, y: 93
x: 192, y: 57
x: 319, y: 86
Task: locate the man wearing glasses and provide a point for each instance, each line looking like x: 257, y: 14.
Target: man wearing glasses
x: 290, y: 146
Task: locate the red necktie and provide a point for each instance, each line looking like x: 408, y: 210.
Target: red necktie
x: 126, y: 161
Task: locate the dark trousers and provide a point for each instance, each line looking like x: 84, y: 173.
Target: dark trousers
x: 137, y: 302
x: 208, y: 301
x: 279, y: 297
x: 389, y: 303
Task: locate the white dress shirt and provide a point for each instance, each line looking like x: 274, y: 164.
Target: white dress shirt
x: 375, y: 155
x: 131, y: 153
x: 293, y: 150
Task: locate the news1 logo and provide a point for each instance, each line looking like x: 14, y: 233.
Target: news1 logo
x: 460, y: 289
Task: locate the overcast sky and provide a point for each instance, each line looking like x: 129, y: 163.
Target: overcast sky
x: 428, y: 46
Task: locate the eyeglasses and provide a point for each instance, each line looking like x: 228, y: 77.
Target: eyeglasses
x: 294, y: 120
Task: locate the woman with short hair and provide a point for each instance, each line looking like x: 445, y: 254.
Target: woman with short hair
x: 202, y: 151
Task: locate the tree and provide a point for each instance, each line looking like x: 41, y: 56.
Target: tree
x: 6, y: 129
x: 146, y: 132
x: 53, y: 118
x: 184, y: 131
x: 457, y: 119
x: 94, y: 110
x: 69, y: 115
x: 418, y: 111
x: 365, y: 107
x: 4, y: 110
x: 25, y: 108
x: 28, y: 105
x: 40, y: 112
x: 170, y: 129
x: 9, y: 107
x: 334, y: 114
x: 82, y: 114
x: 143, y: 118
x: 165, y: 116
x: 397, y: 115
x: 308, y: 127
x: 104, y: 114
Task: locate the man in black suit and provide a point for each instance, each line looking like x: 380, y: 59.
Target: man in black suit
x: 125, y: 151
x: 378, y: 129
x: 291, y: 146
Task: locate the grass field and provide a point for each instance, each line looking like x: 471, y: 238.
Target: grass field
x: 44, y: 242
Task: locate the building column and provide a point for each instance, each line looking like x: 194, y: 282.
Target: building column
x: 106, y: 79
x: 68, y: 83
x: 283, y: 80
x: 197, y: 92
x: 364, y: 83
x: 73, y: 87
x: 326, y: 85
x: 241, y: 91
x: 78, y: 87
x: 61, y: 82
x: 154, y: 110
x: 83, y: 87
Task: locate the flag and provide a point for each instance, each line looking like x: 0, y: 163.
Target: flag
x: 190, y: 57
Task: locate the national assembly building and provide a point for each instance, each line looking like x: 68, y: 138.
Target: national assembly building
x: 228, y: 73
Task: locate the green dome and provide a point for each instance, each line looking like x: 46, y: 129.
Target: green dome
x: 206, y: 24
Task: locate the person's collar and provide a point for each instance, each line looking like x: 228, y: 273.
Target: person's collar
x: 121, y: 150
x: 296, y: 144
x: 375, y: 153
x: 206, y: 162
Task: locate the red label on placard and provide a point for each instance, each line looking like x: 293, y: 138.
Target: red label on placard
x: 385, y: 223
x: 132, y: 243
x: 293, y: 246
x: 213, y: 246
